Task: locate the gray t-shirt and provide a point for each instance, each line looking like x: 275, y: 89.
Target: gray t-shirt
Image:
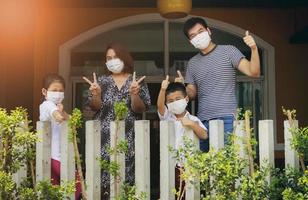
x: 214, y: 76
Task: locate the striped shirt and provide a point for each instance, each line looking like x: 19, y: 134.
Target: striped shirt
x: 214, y: 76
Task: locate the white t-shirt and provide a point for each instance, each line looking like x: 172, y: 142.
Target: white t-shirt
x: 46, y: 110
x: 178, y: 126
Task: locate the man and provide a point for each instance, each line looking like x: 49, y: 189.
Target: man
x: 211, y: 74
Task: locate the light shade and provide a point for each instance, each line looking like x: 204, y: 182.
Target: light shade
x: 173, y: 9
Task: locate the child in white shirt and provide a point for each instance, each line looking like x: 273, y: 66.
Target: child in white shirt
x: 52, y: 110
x: 175, y: 96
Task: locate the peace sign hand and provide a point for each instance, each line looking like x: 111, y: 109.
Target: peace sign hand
x: 165, y: 83
x: 94, y: 87
x: 180, y: 78
x: 135, y: 86
x: 249, y: 41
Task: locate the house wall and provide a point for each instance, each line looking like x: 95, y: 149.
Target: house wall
x: 30, y: 48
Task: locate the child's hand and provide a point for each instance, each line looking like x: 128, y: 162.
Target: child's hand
x: 94, y: 87
x: 135, y: 86
x: 187, y: 122
x: 180, y: 78
x: 60, y: 107
x: 165, y: 83
x: 58, y: 116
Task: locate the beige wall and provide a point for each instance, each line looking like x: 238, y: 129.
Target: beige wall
x: 16, y: 54
x: 37, y: 55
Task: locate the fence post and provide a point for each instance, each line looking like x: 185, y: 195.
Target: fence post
x: 216, y: 141
x: 67, y: 156
x: 216, y: 134
x: 167, y: 162
x: 291, y: 156
x: 266, y: 144
x: 20, y: 175
x: 117, y: 134
x: 93, y: 153
x: 192, y: 190
x: 239, y: 130
x: 142, y: 157
x: 43, y: 151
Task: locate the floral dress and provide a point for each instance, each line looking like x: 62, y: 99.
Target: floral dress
x: 110, y: 95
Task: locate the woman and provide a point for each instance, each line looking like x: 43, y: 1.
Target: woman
x: 118, y: 85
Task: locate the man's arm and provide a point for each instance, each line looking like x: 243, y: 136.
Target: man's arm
x: 250, y: 68
x: 191, y: 90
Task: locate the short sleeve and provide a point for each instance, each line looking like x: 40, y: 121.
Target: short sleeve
x: 188, y: 76
x: 46, y: 110
x: 234, y: 55
x: 145, y: 95
x: 166, y: 115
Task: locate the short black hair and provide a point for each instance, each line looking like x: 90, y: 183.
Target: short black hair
x: 176, y: 86
x: 191, y: 22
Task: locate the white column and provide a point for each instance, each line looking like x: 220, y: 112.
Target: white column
x: 167, y: 162
x: 93, y: 153
x: 216, y: 134
x: 192, y: 190
x: 240, y: 134
x: 266, y: 144
x: 117, y: 134
x: 142, y: 157
x: 67, y: 156
x: 291, y: 156
x: 43, y: 151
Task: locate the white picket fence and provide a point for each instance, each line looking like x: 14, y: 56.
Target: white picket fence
x: 142, y: 154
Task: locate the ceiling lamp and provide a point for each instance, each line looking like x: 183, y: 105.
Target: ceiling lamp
x: 173, y: 9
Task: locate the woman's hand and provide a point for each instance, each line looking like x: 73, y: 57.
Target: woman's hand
x: 137, y: 104
x: 94, y: 87
x: 96, y: 92
x: 134, y: 88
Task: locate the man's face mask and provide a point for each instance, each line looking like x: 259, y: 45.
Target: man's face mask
x: 177, y: 107
x: 55, y: 97
x: 115, y: 65
x: 201, y: 41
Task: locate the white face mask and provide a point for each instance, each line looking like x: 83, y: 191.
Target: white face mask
x: 115, y: 65
x: 201, y: 41
x: 55, y: 97
x: 177, y: 107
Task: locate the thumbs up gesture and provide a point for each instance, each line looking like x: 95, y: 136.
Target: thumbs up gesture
x: 248, y: 39
x: 165, y: 83
x: 180, y: 77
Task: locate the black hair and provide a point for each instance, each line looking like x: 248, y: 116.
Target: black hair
x: 51, y: 78
x: 176, y: 86
x: 191, y: 22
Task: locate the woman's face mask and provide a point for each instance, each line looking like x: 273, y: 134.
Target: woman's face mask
x: 177, y: 107
x: 201, y: 41
x: 55, y: 97
x: 115, y: 65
